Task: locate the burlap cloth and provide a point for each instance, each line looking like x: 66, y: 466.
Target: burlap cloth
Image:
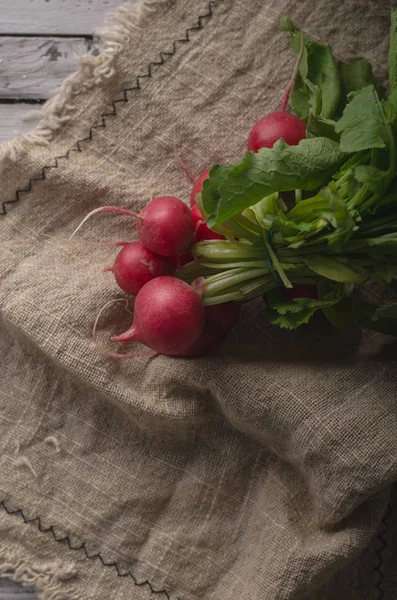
x: 264, y: 471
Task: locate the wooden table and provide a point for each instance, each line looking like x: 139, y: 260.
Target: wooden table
x: 39, y: 41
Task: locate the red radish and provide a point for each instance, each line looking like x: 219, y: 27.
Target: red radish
x: 202, y: 231
x: 165, y: 225
x: 268, y: 130
x: 220, y: 318
x: 198, y: 186
x: 179, y: 261
x: 274, y: 126
x: 168, y: 316
x: 135, y: 265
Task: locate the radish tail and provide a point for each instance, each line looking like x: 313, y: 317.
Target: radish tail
x: 114, y: 354
x: 180, y: 161
x: 292, y: 80
x: 115, y: 209
x: 106, y: 269
x: 128, y: 336
x: 98, y: 244
x: 135, y: 355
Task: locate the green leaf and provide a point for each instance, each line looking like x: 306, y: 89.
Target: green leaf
x: 299, y: 99
x: 319, y: 127
x: 358, y: 74
x: 385, y: 274
x: 232, y: 188
x: 363, y: 124
x: 326, y: 208
x: 290, y: 315
x: 292, y: 229
x: 317, y: 86
x: 333, y: 269
x: 374, y: 178
x: 393, y: 52
x: 340, y: 217
x: 382, y: 319
x: 390, y: 107
x: 340, y: 314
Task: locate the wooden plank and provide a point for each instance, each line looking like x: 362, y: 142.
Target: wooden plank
x: 11, y: 120
x: 11, y: 591
x: 33, y: 67
x: 73, y: 17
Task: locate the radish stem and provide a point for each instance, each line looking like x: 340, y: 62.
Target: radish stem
x: 294, y: 74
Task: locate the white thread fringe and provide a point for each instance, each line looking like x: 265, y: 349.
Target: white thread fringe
x: 48, y: 578
x: 92, y: 71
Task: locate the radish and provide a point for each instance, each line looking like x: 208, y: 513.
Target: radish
x: 135, y: 265
x: 179, y: 261
x: 220, y: 318
x: 165, y: 225
x: 202, y: 231
x: 268, y: 130
x: 168, y: 316
x: 198, y: 186
x: 280, y: 124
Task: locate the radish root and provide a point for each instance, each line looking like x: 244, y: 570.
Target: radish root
x: 97, y: 244
x: 180, y: 161
x: 116, y: 209
x: 102, y: 349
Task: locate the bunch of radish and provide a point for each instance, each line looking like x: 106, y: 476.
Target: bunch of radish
x: 169, y: 316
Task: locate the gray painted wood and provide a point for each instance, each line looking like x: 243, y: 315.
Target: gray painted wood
x: 34, y: 57
x: 54, y: 17
x: 11, y: 122
x: 11, y: 591
x: 31, y: 67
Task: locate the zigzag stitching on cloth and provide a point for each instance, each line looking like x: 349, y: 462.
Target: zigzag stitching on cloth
x: 113, y: 113
x: 379, y: 553
x: 82, y: 546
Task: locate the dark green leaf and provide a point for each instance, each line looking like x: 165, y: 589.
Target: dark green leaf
x: 382, y: 319
x: 286, y: 24
x: 390, y: 107
x: 232, y: 188
x: 290, y: 315
x: 299, y: 99
x: 340, y: 315
x: 333, y: 269
x: 357, y: 74
x: 318, y: 127
x: 374, y: 178
x: 317, y: 87
x: 363, y: 124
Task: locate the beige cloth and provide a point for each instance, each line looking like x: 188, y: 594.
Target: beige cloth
x: 262, y: 472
